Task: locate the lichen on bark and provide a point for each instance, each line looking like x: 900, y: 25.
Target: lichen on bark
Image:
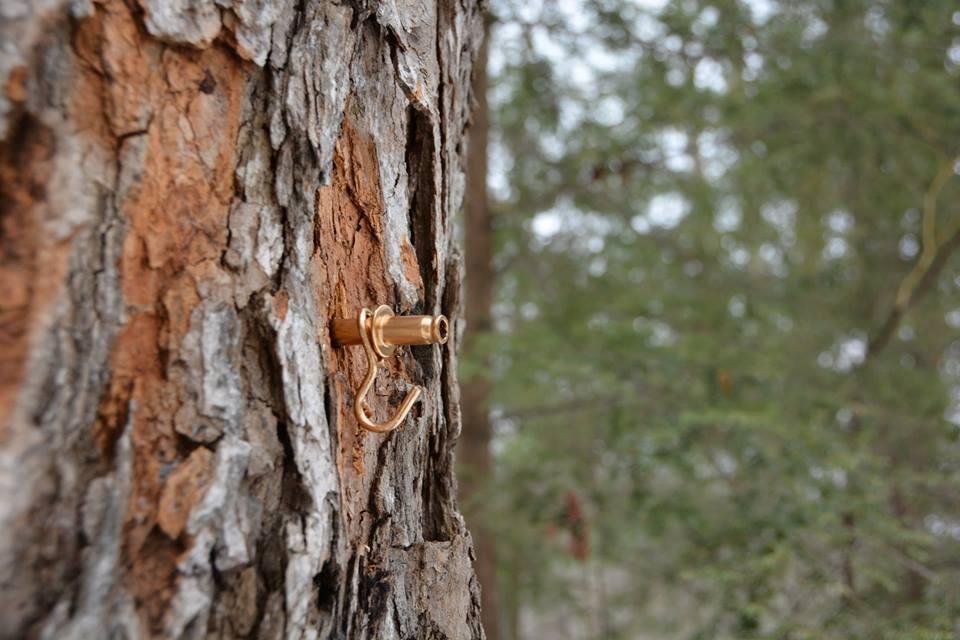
x: 190, y: 192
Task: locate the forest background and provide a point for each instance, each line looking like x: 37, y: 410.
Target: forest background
x: 713, y: 378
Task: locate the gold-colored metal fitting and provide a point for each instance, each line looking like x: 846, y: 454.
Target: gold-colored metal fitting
x: 380, y: 332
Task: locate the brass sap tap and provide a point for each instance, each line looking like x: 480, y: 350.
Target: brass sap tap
x: 380, y: 332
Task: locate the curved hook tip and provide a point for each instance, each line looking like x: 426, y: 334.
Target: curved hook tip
x: 381, y: 427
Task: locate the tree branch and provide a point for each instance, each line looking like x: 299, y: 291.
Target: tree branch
x: 933, y: 258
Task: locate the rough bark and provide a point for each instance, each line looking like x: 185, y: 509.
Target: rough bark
x: 189, y: 192
x: 474, y: 451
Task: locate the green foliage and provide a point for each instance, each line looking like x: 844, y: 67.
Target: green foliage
x: 704, y: 211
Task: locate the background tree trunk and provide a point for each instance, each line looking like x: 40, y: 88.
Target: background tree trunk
x: 474, y: 452
x: 189, y: 192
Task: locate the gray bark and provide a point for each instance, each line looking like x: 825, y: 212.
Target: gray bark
x: 190, y: 192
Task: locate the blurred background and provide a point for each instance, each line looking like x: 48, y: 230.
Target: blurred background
x: 711, y: 386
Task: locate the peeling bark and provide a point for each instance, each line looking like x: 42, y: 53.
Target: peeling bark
x: 189, y: 192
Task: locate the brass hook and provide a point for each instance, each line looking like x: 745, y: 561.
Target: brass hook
x: 380, y: 332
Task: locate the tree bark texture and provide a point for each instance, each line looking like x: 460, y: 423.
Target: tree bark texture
x: 190, y: 191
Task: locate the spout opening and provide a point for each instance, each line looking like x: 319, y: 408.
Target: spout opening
x: 441, y: 329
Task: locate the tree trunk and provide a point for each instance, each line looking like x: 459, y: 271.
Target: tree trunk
x: 190, y: 192
x: 474, y: 451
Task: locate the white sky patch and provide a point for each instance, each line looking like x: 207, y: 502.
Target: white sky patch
x: 546, y: 224
x: 910, y: 219
x: 783, y: 323
x: 717, y: 156
x: 672, y: 43
x: 659, y: 333
x: 648, y: 28
x: 738, y: 255
x: 761, y: 10
x: 504, y: 430
x: 846, y: 353
x: 906, y: 333
x: 673, y: 141
x: 950, y: 364
x: 909, y: 246
x: 835, y: 248
x: 498, y: 95
x: 641, y: 225
x: 728, y: 216
x: 603, y: 60
x: 675, y: 77
x: 545, y: 45
x: 673, y: 145
x: 597, y: 267
x: 581, y: 74
x: 667, y: 210
x: 725, y: 463
x: 586, y: 230
x: 942, y: 527
x: 737, y: 306
x: 497, y: 60
x: 835, y: 476
x: 575, y: 17
x: 773, y: 257
x: 753, y: 66
x: 952, y: 318
x: 498, y: 180
x: 708, y: 18
x: 503, y: 322
x: 609, y: 111
x: 953, y: 54
x: 952, y: 413
x: 680, y: 163
x: 877, y: 22
x: 844, y: 416
x: 552, y: 146
x: 654, y: 6
x: 663, y: 335
x: 530, y: 10
x: 708, y: 75
x: 693, y: 49
x: 782, y: 216
x: 814, y: 30
x: 599, y: 320
x: 571, y: 114
x: 580, y: 70
x: 840, y: 221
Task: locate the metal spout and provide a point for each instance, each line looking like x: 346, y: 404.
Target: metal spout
x: 393, y: 330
